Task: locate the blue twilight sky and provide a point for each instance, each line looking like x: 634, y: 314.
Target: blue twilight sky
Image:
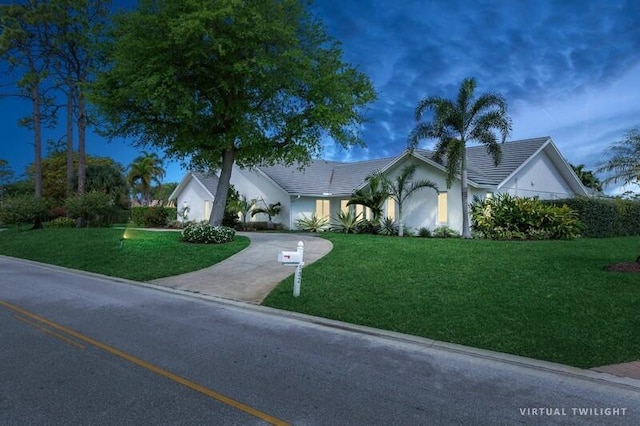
x: 569, y: 69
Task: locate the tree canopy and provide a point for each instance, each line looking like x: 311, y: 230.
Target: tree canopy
x: 227, y: 81
x: 623, y: 160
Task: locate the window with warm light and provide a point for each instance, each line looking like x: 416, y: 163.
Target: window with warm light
x: 322, y: 209
x: 391, y: 208
x: 443, y: 214
x: 343, y: 206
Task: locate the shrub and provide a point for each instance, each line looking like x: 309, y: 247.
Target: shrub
x: 23, y: 209
x: 424, y: 232
x: 60, y: 222
x: 366, y: 226
x: 345, y: 222
x: 388, y: 227
x: 505, y: 217
x: 152, y: 216
x: 206, y: 234
x: 445, y: 232
x: 604, y: 217
x: 93, y: 207
x: 312, y: 224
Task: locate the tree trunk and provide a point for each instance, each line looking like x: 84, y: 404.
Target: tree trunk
x: 82, y: 156
x: 220, y: 200
x: 466, y: 231
x: 37, y: 140
x: 69, y: 144
x: 400, y: 221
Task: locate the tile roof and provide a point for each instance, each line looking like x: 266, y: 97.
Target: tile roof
x: 210, y: 181
x: 480, y: 166
x: 323, y: 177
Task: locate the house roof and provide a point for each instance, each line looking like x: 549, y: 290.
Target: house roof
x: 208, y: 182
x: 323, y: 177
x: 481, y: 168
x: 333, y: 178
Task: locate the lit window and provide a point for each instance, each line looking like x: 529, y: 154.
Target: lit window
x: 207, y: 209
x: 343, y: 206
x: 322, y: 209
x: 391, y: 208
x: 442, y: 207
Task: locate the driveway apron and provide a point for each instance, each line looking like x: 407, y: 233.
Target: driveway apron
x: 251, y: 274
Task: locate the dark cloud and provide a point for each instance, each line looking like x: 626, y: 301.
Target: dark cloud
x: 532, y: 52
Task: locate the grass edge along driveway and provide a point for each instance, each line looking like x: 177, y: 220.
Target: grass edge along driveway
x: 549, y: 300
x: 126, y: 253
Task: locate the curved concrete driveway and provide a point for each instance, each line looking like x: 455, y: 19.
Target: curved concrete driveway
x: 251, y: 274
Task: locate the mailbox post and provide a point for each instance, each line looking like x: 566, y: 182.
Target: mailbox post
x: 294, y: 258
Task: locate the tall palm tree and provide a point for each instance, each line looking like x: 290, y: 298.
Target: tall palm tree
x: 144, y: 170
x: 623, y: 163
x: 373, y: 195
x: 403, y: 186
x: 454, y: 124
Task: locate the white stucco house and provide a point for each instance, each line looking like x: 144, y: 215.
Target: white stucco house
x: 530, y: 167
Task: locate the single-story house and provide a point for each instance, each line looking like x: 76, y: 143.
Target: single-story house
x: 530, y: 167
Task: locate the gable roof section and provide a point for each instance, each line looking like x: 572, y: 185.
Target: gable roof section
x: 332, y: 178
x: 480, y: 166
x: 208, y: 182
x: 321, y: 177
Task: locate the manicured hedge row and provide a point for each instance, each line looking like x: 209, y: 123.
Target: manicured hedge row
x: 604, y: 217
x: 152, y: 216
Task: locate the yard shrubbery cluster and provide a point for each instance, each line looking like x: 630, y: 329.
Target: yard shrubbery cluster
x: 207, y: 234
x: 152, y: 216
x: 505, y: 217
x: 605, y: 217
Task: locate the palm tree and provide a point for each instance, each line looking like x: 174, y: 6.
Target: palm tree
x: 468, y: 119
x: 403, y: 186
x: 144, y: 170
x: 624, y: 160
x: 373, y: 196
x: 587, y: 177
x: 243, y: 206
x: 270, y: 210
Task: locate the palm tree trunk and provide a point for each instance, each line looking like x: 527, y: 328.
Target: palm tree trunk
x: 400, y: 221
x: 466, y: 231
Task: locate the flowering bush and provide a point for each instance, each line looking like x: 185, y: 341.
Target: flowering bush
x: 207, y: 234
x: 60, y: 222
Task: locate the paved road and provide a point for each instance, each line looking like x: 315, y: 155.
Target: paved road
x: 80, y: 349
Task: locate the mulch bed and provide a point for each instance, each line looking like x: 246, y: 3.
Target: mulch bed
x: 625, y: 266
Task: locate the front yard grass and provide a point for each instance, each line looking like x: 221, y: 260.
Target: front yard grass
x: 144, y: 255
x: 548, y: 300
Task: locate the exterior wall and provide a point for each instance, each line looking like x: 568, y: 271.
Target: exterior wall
x: 421, y: 208
x: 541, y: 178
x: 254, y: 185
x: 196, y: 198
x: 302, y: 207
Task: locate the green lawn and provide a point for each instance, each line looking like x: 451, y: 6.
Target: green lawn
x: 548, y: 300
x: 144, y: 255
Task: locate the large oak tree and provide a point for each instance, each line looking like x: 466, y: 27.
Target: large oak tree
x: 229, y: 81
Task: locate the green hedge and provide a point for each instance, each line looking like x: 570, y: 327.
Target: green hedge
x: 605, y: 217
x: 152, y: 216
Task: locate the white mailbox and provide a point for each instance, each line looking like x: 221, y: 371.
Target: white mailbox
x: 293, y: 258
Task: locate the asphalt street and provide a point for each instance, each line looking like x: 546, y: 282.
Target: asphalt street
x: 82, y: 349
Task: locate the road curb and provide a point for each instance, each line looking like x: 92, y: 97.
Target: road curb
x: 534, y: 364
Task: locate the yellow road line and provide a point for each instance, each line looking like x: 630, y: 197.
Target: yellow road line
x: 59, y: 336
x: 188, y: 383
